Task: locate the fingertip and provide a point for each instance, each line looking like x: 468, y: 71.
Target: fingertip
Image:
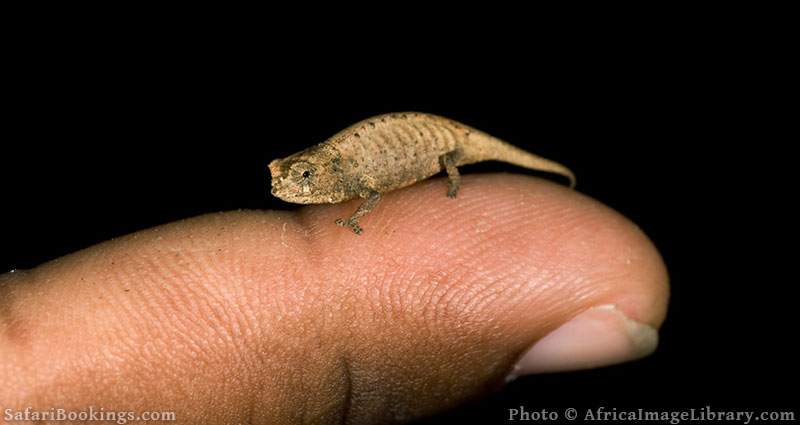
x: 599, y: 336
x: 514, y: 257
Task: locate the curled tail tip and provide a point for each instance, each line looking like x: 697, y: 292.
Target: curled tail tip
x: 565, y: 172
x: 571, y: 177
x: 573, y: 181
x: 560, y: 170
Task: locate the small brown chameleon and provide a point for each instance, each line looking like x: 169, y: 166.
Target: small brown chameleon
x: 388, y: 152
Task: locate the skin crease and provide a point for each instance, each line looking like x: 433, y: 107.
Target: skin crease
x: 279, y: 317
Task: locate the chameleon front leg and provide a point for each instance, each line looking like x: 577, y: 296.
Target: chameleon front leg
x: 371, y: 199
x: 449, y: 161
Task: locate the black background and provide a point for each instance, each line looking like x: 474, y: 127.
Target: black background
x: 683, y: 136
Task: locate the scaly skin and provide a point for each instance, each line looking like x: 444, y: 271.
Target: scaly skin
x: 388, y: 152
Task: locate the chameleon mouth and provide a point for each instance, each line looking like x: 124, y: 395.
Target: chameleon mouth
x: 277, y: 187
x: 275, y: 173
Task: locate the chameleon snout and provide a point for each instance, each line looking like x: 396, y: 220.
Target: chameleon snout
x: 275, y: 168
x: 275, y: 172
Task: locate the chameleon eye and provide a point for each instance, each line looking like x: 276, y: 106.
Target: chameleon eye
x: 306, y: 174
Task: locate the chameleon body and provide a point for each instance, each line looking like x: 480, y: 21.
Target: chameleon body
x: 388, y: 152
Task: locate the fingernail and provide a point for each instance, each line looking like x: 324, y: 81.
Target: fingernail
x: 600, y: 336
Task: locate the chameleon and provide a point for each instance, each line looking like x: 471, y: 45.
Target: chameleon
x: 389, y: 152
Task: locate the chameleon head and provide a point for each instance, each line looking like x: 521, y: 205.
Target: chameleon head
x: 301, y: 180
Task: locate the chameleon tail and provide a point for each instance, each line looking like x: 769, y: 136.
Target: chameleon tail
x: 487, y: 148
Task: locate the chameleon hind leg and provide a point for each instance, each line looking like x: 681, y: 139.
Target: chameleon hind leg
x: 449, y: 161
x: 371, y: 200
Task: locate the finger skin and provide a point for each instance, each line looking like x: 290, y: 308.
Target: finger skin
x: 277, y: 317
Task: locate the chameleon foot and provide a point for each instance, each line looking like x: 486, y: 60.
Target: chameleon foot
x: 351, y: 224
x: 452, y: 191
x: 448, y: 161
